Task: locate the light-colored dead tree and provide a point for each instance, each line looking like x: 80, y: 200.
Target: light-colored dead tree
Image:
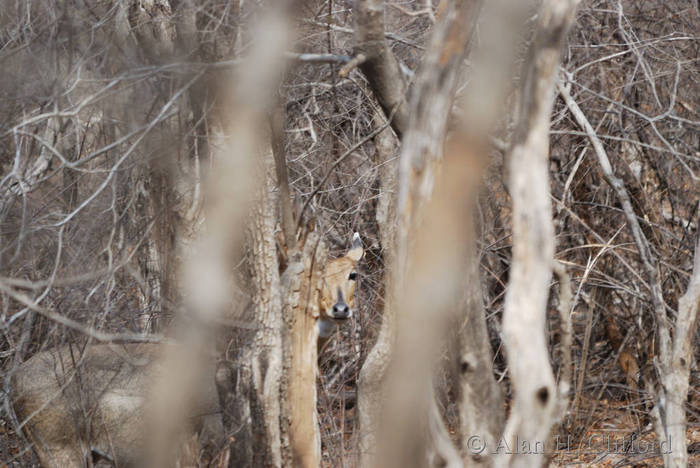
x: 432, y: 281
x: 675, y: 371
x: 371, y: 375
x: 382, y: 71
x: 535, y: 405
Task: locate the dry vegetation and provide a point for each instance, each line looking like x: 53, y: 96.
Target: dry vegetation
x: 104, y: 112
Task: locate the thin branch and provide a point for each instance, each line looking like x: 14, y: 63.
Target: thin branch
x: 646, y: 256
x: 565, y: 303
x: 77, y: 326
x: 318, y: 58
x: 342, y: 157
x: 358, y: 60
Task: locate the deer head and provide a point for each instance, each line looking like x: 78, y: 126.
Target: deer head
x: 337, y: 293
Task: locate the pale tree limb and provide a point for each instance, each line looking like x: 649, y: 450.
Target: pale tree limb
x: 535, y: 404
x: 412, y: 432
x: 301, y: 438
x: 566, y: 340
x: 675, y: 354
x: 480, y: 400
x: 564, y: 309
x: 676, y: 367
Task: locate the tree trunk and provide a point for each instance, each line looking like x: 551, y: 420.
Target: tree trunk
x: 676, y: 371
x: 262, y: 359
x: 379, y: 64
x: 411, y: 407
x: 535, y: 402
x: 300, y: 283
x: 371, y: 378
x: 480, y: 400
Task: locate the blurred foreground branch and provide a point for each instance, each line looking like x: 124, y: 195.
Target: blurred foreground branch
x: 230, y: 187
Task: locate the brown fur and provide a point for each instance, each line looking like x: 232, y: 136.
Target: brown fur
x: 73, y: 402
x: 336, y: 277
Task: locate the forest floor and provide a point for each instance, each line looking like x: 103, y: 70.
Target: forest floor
x: 610, y: 432
x: 618, y: 434
x: 611, y: 439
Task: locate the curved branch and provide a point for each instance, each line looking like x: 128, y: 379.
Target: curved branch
x: 380, y: 65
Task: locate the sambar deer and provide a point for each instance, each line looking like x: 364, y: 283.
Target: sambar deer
x: 78, y: 403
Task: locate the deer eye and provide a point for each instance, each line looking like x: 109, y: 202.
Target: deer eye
x: 352, y: 276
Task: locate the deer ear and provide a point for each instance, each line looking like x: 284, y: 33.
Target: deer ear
x: 356, y: 251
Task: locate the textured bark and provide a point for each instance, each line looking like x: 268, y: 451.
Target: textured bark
x: 535, y: 402
x: 567, y: 337
x: 267, y: 346
x: 249, y: 387
x: 287, y: 221
x: 413, y: 433
x: 380, y: 65
x: 371, y: 378
x: 479, y: 396
x: 676, y: 370
x: 301, y: 283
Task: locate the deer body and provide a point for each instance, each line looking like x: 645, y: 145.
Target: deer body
x: 77, y: 402
x: 74, y: 403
